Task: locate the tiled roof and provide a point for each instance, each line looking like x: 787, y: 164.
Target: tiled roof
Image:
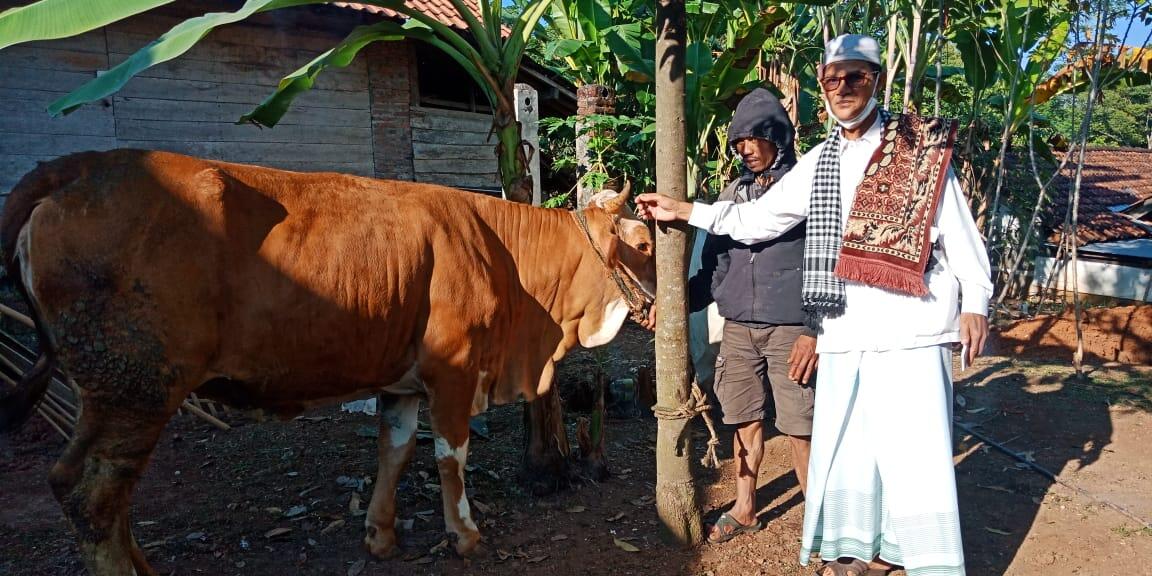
x: 441, y: 10
x: 1112, y: 177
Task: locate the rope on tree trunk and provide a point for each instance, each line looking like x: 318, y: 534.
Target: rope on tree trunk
x: 695, y: 405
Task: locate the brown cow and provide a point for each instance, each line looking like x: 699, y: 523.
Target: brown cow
x: 152, y: 275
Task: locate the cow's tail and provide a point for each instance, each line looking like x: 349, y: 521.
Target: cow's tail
x: 17, y: 405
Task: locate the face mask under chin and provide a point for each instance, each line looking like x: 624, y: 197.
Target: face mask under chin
x: 856, y: 120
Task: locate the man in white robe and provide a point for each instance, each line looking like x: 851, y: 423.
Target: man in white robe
x: 881, y: 487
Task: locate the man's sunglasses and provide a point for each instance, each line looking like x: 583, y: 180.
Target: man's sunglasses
x: 854, y: 80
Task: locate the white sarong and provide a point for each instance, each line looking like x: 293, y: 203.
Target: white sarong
x: 880, y: 479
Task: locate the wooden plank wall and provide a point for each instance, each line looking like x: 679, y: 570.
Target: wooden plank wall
x: 454, y: 148
x: 190, y: 104
x: 32, y: 76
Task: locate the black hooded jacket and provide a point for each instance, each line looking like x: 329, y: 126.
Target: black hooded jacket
x: 755, y: 284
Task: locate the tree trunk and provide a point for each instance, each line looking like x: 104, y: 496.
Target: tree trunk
x: 676, y: 496
x: 547, y: 463
x: 590, y: 434
x: 912, y: 61
x: 591, y: 99
x: 511, y: 159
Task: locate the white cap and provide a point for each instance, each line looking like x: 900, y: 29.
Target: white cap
x: 852, y: 47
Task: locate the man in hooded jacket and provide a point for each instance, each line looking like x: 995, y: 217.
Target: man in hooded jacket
x: 756, y: 287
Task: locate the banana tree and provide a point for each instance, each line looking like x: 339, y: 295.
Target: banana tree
x: 489, y: 53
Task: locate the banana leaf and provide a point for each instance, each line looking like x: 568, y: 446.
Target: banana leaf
x: 54, y: 19
x: 273, y: 108
x: 173, y: 43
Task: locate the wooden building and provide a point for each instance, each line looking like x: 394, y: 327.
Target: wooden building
x: 401, y: 110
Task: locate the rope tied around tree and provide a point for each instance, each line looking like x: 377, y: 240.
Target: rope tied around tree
x: 695, y: 405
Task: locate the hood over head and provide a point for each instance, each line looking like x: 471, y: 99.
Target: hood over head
x: 761, y: 115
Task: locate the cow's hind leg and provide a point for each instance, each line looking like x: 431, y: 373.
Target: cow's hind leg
x: 397, y: 438
x: 450, y: 427
x: 94, y: 478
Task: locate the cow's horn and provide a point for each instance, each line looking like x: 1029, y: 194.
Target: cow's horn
x: 615, y: 204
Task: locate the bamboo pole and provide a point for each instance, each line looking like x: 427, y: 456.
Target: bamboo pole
x: 55, y: 402
x: 51, y: 422
x: 206, y: 416
x: 17, y: 315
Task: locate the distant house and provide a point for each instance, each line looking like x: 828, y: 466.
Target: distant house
x: 1115, y: 226
x: 402, y: 110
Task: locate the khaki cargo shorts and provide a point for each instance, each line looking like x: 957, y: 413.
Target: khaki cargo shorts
x: 751, y: 361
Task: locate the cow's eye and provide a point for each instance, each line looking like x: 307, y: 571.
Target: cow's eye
x: 643, y: 247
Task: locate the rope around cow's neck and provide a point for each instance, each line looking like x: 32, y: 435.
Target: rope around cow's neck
x: 637, y: 300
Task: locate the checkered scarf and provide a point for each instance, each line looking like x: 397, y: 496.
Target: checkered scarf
x: 822, y: 295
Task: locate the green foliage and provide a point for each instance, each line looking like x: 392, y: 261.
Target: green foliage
x: 1121, y: 118
x: 53, y: 19
x: 618, y: 147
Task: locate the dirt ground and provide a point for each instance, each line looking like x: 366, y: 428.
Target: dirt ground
x: 287, y: 498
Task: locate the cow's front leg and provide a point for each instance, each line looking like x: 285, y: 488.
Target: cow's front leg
x: 450, y: 426
x: 397, y: 437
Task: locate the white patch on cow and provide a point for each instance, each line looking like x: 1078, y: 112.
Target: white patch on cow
x: 461, y: 455
x: 24, y: 253
x: 465, y: 510
x: 401, y: 416
x: 614, y: 315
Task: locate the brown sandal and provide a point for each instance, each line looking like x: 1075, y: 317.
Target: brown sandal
x: 856, y: 567
x: 728, y: 528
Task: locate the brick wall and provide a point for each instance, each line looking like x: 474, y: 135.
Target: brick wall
x: 390, y: 78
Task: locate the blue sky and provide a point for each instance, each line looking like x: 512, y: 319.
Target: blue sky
x: 1136, y: 35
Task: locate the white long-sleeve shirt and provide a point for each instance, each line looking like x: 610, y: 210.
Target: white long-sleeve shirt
x: 874, y: 319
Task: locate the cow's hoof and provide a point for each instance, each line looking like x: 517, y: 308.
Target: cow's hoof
x: 467, y: 543
x: 381, y: 543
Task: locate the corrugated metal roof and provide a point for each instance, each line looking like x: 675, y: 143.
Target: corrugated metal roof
x: 442, y: 10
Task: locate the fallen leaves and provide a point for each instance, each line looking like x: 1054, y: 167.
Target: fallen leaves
x: 332, y: 527
x: 643, y: 501
x: 998, y: 531
x: 296, y: 511
x: 357, y: 567
x: 575, y: 509
x: 616, y: 517
x: 997, y: 488
x: 625, y: 546
x: 276, y: 532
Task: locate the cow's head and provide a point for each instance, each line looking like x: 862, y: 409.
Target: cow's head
x: 624, y: 243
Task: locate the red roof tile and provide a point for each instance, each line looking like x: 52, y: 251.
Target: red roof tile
x: 1111, y: 177
x: 441, y: 10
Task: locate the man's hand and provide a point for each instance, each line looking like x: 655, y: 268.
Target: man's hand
x: 662, y: 208
x: 973, y: 333
x: 650, y: 320
x: 802, y: 359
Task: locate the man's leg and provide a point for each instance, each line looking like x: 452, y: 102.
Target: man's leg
x: 801, y: 449
x: 748, y: 447
x: 795, y: 403
x: 742, y: 395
